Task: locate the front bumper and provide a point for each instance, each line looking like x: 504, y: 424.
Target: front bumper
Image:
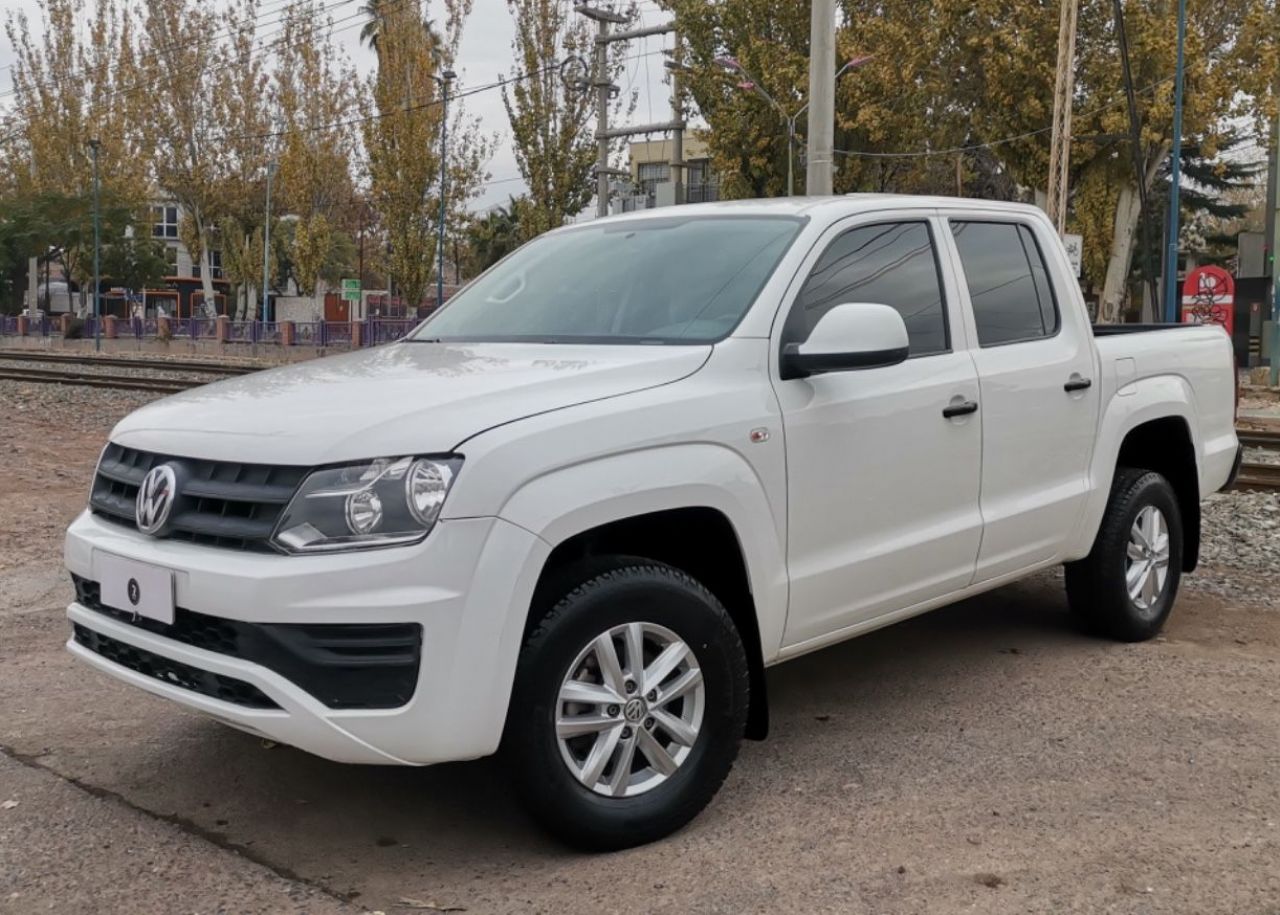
x: 468, y: 587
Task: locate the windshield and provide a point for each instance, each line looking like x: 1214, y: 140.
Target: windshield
x: 668, y: 280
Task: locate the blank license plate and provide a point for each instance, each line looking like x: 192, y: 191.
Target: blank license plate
x: 136, y: 587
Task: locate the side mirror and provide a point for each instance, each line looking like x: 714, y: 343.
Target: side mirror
x: 849, y: 337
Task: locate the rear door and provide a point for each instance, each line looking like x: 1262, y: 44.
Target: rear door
x: 882, y: 487
x: 1039, y: 398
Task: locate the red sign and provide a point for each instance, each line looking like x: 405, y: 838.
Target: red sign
x: 1209, y: 297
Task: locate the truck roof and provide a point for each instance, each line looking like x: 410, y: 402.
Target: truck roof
x: 847, y: 204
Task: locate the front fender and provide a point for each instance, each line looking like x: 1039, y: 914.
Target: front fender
x: 1157, y: 397
x: 574, y: 499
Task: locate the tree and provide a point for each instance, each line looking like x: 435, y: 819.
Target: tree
x: 133, y: 262
x: 552, y: 122
x: 313, y: 85
x: 401, y: 132
x: 190, y: 165
x: 77, y: 80
x: 494, y: 235
x: 960, y: 100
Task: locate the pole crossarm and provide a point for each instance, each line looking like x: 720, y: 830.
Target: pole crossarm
x: 600, y: 15
x: 613, y: 133
x: 636, y: 33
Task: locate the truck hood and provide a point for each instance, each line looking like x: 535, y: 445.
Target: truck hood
x: 405, y: 398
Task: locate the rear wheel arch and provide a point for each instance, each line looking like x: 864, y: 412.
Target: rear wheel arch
x: 699, y: 541
x: 1166, y: 446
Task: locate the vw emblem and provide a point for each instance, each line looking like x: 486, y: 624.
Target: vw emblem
x: 634, y: 710
x: 155, y: 499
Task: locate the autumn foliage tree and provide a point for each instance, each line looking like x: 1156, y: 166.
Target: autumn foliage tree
x: 403, y: 114
x: 957, y: 98
x: 74, y: 78
x: 552, y: 122
x: 313, y: 85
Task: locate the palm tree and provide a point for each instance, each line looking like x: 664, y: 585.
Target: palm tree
x: 377, y: 11
x: 495, y: 235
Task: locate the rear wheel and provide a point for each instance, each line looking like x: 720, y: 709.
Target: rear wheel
x: 629, y: 703
x: 1126, y: 586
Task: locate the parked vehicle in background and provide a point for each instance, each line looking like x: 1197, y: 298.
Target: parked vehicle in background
x: 582, y: 508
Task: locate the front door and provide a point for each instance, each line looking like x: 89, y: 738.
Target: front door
x: 882, y: 488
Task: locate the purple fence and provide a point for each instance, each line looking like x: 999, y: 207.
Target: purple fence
x: 387, y: 331
x: 335, y: 333
x: 308, y: 333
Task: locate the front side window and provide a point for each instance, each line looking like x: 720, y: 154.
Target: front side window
x: 677, y: 279
x: 1008, y: 282
x: 891, y: 264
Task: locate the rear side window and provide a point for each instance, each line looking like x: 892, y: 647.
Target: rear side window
x: 888, y: 264
x: 1008, y: 282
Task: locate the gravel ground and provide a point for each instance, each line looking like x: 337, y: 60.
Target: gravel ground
x: 1261, y: 456
x: 982, y: 758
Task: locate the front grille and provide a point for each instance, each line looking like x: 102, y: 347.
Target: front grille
x: 219, y: 503
x: 345, y: 666
x: 150, y: 664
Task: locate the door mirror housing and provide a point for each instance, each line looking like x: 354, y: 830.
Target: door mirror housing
x: 858, y: 335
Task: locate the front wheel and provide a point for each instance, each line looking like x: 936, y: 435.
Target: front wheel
x: 629, y: 704
x: 1126, y: 586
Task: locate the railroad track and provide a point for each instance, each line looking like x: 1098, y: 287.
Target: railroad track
x: 101, y: 380
x: 1259, y: 438
x: 1259, y: 477
x: 168, y: 365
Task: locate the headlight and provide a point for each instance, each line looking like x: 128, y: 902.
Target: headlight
x: 376, y: 503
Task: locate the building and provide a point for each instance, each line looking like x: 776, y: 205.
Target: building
x: 650, y: 165
x: 182, y: 293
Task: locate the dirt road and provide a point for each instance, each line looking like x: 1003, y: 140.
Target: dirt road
x: 985, y: 758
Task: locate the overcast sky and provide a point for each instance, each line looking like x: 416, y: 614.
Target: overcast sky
x: 484, y: 57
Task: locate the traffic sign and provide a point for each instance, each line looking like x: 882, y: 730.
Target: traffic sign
x: 351, y: 290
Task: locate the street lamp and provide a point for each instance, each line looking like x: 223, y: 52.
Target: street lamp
x: 751, y: 84
x: 94, y: 146
x: 443, y: 79
x: 266, y: 243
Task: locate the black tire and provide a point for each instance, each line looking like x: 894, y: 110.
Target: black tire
x: 1096, y: 585
x: 624, y: 590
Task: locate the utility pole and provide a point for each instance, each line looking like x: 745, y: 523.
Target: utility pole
x: 94, y: 145
x: 1275, y: 261
x: 1139, y: 159
x: 444, y: 80
x: 1171, y: 291
x: 1063, y: 94
x: 822, y: 97
x: 604, y: 92
x: 266, y: 243
x: 677, y: 114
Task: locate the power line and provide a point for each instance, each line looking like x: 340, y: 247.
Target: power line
x: 276, y: 45
x: 925, y: 153
x: 236, y: 27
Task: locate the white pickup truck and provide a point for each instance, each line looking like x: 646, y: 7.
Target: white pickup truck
x: 579, y: 511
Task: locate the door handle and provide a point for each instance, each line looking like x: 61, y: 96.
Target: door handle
x: 1077, y: 384
x: 960, y: 409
